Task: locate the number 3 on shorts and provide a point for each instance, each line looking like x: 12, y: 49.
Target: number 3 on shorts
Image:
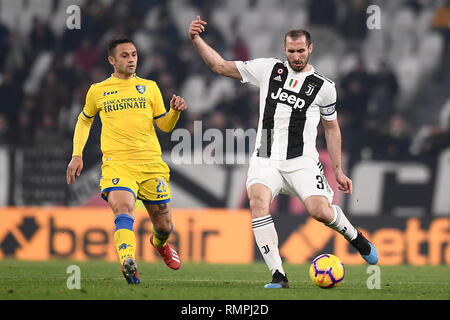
x: 320, y: 185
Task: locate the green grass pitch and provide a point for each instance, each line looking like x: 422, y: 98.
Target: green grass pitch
x: 104, y: 280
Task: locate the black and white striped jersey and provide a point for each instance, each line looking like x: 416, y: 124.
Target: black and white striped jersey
x: 291, y: 105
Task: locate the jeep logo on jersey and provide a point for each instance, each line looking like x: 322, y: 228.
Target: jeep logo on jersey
x: 140, y: 89
x: 291, y: 99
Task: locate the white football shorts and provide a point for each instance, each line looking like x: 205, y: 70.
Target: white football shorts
x: 306, y: 180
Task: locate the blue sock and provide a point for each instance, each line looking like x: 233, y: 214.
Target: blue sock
x: 124, y: 221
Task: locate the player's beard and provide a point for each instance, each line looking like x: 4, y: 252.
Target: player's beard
x: 127, y: 71
x: 296, y: 69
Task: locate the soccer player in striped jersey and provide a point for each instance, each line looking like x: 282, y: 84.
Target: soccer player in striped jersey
x: 294, y: 97
x: 132, y: 167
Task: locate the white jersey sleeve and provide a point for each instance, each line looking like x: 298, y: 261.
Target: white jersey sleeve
x: 255, y: 71
x: 328, y: 102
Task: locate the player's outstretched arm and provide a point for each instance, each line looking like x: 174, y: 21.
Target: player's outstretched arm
x: 333, y: 138
x: 211, y: 57
x: 168, y: 121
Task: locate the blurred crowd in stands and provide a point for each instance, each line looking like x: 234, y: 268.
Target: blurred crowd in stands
x: 45, y: 71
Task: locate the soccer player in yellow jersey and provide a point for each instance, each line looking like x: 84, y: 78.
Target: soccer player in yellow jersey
x: 132, y: 165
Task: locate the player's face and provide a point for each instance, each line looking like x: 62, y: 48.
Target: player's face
x: 297, y: 52
x: 125, y: 58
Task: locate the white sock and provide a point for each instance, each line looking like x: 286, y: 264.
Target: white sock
x: 341, y: 224
x: 266, y: 238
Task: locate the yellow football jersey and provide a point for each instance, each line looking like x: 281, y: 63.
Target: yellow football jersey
x: 127, y: 109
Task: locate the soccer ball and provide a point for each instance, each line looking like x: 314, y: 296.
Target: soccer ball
x: 326, y: 271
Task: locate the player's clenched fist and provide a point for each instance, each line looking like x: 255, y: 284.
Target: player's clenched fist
x: 345, y: 184
x: 177, y: 103
x: 197, y: 26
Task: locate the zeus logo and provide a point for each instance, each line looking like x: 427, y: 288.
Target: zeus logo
x: 291, y: 99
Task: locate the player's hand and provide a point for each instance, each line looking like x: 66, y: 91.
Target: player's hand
x: 345, y: 184
x: 74, y: 169
x: 177, y: 103
x: 197, y: 26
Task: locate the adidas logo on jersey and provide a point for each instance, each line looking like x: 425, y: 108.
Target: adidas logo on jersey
x: 291, y: 99
x: 277, y: 78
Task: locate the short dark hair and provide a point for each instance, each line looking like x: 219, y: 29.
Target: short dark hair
x: 297, y: 33
x: 114, y: 43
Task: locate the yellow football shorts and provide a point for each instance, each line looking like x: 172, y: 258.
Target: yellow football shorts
x: 147, y: 182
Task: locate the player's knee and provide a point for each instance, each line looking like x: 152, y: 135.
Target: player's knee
x: 321, y: 212
x: 259, y: 206
x: 123, y: 208
x: 161, y: 209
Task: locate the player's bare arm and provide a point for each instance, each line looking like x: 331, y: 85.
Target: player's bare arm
x: 211, y: 57
x: 333, y: 138
x: 74, y: 169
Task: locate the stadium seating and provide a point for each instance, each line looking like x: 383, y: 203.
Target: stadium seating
x: 408, y: 42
